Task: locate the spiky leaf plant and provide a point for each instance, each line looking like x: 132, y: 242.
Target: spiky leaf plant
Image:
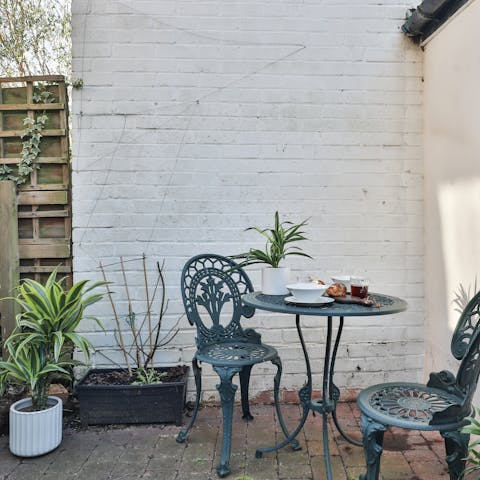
x: 40, y: 347
x: 278, y: 246
x: 473, y: 459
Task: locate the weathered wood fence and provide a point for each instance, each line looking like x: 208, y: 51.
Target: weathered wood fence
x: 36, y: 223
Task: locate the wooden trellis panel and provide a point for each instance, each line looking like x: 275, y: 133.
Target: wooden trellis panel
x: 44, y: 207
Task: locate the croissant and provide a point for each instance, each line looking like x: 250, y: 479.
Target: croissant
x: 337, y: 290
x: 315, y: 280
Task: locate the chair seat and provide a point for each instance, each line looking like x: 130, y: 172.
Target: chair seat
x: 236, y: 353
x: 407, y: 405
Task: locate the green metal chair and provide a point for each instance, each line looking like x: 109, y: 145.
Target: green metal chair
x: 212, y: 287
x: 441, y: 405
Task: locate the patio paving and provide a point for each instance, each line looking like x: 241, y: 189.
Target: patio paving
x: 150, y: 452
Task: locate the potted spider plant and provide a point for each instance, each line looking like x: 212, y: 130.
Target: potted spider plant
x: 40, y: 349
x: 278, y: 246
x: 137, y: 391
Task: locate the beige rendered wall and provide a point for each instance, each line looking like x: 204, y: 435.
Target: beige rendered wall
x: 452, y: 177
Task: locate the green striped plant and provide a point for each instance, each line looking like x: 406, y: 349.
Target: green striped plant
x: 278, y: 244
x: 474, y: 448
x: 45, y: 336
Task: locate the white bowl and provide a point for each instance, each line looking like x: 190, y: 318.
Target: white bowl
x: 345, y: 279
x: 307, y: 292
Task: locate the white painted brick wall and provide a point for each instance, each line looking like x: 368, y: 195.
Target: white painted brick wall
x: 200, y: 118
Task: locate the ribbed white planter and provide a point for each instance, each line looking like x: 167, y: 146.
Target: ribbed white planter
x: 35, y: 433
x: 274, y: 280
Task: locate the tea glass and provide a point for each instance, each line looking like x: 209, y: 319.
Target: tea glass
x: 359, y: 287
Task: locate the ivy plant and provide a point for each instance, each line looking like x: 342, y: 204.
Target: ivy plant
x: 32, y: 136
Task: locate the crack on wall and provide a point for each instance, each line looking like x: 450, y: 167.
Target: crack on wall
x: 188, y: 105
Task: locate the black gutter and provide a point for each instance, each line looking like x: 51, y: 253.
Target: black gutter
x: 428, y: 16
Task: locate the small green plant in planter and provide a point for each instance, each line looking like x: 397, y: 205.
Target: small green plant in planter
x: 278, y: 246
x: 39, y: 349
x: 474, y: 448
x: 148, y: 376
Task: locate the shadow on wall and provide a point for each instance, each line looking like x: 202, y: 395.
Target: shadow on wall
x: 459, y: 208
x: 451, y: 102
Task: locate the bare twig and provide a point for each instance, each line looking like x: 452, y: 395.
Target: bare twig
x: 149, y: 316
x: 163, y: 309
x: 109, y: 359
x: 117, y: 321
x: 131, y: 315
x: 143, y: 348
x: 157, y: 282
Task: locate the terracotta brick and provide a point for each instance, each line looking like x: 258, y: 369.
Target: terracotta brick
x: 151, y: 451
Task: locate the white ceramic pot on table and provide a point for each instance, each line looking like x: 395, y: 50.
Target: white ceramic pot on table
x: 274, y: 280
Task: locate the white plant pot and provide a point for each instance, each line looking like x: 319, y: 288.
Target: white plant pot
x: 35, y: 433
x: 274, y: 280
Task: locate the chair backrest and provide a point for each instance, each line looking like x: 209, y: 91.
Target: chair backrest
x: 210, y: 282
x: 465, y: 346
x: 467, y: 376
x: 467, y: 338
x: 467, y: 323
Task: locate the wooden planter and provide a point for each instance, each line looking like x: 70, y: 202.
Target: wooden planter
x: 109, y: 404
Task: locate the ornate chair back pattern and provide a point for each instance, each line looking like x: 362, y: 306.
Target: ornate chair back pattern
x: 467, y: 376
x: 465, y: 346
x: 467, y: 323
x: 444, y: 402
x: 212, y: 281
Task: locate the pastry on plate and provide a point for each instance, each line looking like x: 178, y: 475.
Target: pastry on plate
x: 337, y: 290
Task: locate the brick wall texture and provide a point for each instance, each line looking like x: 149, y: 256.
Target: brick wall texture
x: 200, y: 118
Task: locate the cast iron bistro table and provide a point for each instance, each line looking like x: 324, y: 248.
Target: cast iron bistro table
x: 330, y: 393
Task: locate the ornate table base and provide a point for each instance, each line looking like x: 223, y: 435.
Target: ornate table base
x: 325, y: 405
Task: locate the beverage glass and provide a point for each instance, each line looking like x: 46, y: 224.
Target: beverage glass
x: 359, y: 287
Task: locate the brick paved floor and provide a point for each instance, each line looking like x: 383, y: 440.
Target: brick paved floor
x: 150, y: 452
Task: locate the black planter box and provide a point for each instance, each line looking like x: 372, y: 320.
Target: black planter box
x: 107, y: 404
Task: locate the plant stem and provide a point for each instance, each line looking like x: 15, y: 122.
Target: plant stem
x: 149, y: 315
x: 117, y: 321
x: 161, y: 313
x: 131, y: 316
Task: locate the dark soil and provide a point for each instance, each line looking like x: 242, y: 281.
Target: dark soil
x: 122, y: 377
x: 71, y: 416
x: 27, y: 409
x: 11, y: 395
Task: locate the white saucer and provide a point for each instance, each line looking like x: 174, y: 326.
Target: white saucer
x: 319, y: 301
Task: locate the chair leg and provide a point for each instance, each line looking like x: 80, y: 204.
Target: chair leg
x: 227, y: 395
x: 456, y: 447
x: 197, y: 371
x: 244, y: 383
x: 372, y: 433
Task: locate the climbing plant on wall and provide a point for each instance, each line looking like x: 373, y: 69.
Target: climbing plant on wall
x: 32, y: 137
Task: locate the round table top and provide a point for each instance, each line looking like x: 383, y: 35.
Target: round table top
x: 275, y: 303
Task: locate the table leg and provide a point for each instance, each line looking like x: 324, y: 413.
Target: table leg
x: 305, y: 395
x: 326, y: 404
x: 335, y: 392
